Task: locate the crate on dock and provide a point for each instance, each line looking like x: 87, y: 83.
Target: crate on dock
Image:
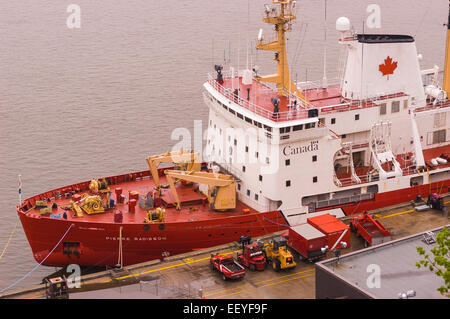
x: 332, y: 227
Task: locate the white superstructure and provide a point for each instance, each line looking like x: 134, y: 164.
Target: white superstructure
x: 375, y: 132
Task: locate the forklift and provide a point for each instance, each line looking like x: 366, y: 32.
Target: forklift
x: 252, y: 255
x: 277, y: 254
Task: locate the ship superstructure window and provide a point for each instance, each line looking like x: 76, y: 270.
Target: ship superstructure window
x: 439, y: 119
x: 439, y: 136
x: 267, y: 160
x: 322, y: 121
x: 246, y: 149
x: 383, y: 109
x: 256, y: 197
x: 260, y: 178
x: 243, y: 168
x: 356, y: 117
x: 298, y: 127
x: 288, y: 162
x: 256, y: 154
x: 395, y: 107
x: 248, y: 120
x: 248, y: 192
x: 314, y: 158
x: 333, y: 120
x: 239, y: 187
x: 288, y: 183
x: 315, y: 179
x: 285, y: 130
x: 232, y: 111
x: 257, y: 124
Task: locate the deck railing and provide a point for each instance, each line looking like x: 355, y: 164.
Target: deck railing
x: 292, y: 114
x: 302, y: 108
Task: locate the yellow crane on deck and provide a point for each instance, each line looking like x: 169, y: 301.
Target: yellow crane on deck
x: 221, y: 191
x: 186, y: 160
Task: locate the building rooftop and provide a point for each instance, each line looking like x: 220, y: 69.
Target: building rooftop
x: 397, y: 268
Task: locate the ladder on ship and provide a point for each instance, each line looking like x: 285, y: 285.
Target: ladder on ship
x: 381, y: 151
x: 348, y: 150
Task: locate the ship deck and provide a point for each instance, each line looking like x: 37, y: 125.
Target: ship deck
x: 258, y: 100
x: 194, y: 206
x: 405, y: 161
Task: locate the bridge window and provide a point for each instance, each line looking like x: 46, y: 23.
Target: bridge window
x: 395, y: 107
x: 298, y: 127
x: 285, y: 130
x: 383, y: 109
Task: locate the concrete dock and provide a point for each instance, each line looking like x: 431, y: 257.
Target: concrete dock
x: 190, y: 276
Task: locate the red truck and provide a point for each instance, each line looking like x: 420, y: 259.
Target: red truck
x: 371, y: 230
x: 252, y: 255
x: 227, y: 266
x: 307, y: 241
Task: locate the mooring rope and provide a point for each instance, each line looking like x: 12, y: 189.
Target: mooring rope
x: 9, y: 240
x: 37, y: 266
x: 271, y: 221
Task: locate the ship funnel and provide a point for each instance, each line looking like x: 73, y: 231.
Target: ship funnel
x: 381, y: 64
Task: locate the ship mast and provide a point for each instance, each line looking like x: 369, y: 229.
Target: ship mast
x: 282, y: 20
x: 446, y: 84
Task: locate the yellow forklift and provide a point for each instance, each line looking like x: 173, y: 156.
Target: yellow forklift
x: 277, y: 254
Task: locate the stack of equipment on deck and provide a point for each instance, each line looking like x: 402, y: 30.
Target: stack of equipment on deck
x: 332, y: 227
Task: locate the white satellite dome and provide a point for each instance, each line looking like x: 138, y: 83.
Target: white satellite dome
x: 343, y: 24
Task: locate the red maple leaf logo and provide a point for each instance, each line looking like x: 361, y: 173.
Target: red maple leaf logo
x: 388, y: 67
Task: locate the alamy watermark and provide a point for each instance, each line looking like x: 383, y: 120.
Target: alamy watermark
x: 374, y: 278
x: 373, y: 21
x: 74, y: 279
x: 230, y: 146
x: 73, y: 21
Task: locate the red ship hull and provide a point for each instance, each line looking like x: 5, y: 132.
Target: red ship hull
x: 98, y: 242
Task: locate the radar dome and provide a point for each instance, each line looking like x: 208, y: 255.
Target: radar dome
x: 343, y: 24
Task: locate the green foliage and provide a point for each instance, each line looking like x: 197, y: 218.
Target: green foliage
x: 439, y: 263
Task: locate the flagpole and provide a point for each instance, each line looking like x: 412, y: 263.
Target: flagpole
x: 20, y: 190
